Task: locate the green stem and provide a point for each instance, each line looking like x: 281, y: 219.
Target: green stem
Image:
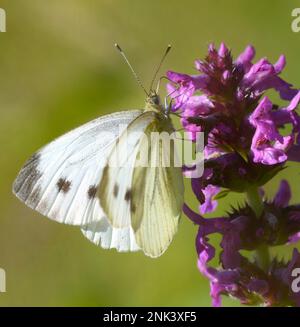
x: 255, y: 201
x: 262, y: 254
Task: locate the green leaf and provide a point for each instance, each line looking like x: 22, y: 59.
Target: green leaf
x: 221, y: 194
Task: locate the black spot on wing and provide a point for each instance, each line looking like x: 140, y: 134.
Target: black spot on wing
x: 92, y: 191
x: 116, y: 190
x: 128, y: 195
x: 132, y: 207
x: 25, y: 183
x: 63, y: 185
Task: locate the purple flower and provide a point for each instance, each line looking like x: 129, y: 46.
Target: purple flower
x: 234, y: 118
x: 193, y: 107
x: 267, y: 153
x: 245, y: 145
x: 263, y: 76
x: 237, y: 276
x: 262, y: 120
x: 268, y: 145
x: 186, y: 85
x: 252, y: 286
x: 230, y: 112
x: 238, y: 80
x: 231, y: 172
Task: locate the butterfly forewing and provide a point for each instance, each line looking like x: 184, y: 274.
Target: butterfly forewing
x: 61, y: 180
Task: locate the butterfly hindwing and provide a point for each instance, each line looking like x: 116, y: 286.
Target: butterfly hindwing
x: 103, y: 234
x: 115, y: 187
x: 158, y: 202
x: 149, y: 199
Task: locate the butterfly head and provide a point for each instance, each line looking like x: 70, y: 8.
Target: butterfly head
x: 154, y: 103
x: 153, y: 99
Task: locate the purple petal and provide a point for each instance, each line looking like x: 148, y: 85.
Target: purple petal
x: 283, y: 195
x: 294, y: 103
x: 197, y: 187
x: 245, y: 58
x: 269, y: 156
x: 210, y: 204
x: 206, y: 252
x: 262, y: 119
x: 266, y: 153
x: 284, y: 144
x: 285, y: 89
x: 260, y: 112
x: 295, y: 238
x: 263, y: 76
x: 178, y: 77
x: 192, y: 215
x: 280, y: 64
x: 224, y: 281
x: 223, y: 50
x: 215, y: 293
x: 258, y: 72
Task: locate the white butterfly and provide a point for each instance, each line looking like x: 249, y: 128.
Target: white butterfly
x: 72, y: 181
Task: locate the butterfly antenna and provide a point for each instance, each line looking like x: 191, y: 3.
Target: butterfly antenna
x: 159, y: 65
x: 131, y: 68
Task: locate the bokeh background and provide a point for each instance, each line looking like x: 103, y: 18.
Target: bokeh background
x: 59, y: 69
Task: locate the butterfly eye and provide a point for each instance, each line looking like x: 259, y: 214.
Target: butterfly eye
x: 155, y: 99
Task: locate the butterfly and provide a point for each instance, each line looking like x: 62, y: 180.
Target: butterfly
x: 73, y: 180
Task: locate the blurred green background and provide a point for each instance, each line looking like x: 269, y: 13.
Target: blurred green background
x: 59, y: 69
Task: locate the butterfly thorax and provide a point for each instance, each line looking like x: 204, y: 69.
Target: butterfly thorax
x: 153, y: 103
x: 162, y: 121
